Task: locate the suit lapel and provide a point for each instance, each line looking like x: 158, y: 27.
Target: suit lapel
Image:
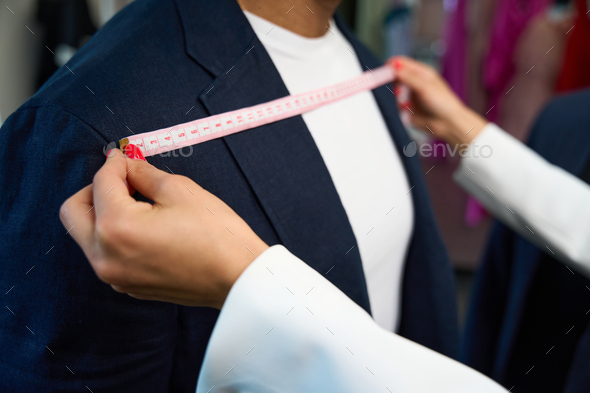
x: 216, y: 32
x: 280, y: 160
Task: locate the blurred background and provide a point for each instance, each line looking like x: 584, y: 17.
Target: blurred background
x: 504, y: 58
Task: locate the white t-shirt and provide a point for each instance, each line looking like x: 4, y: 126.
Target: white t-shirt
x: 359, y: 153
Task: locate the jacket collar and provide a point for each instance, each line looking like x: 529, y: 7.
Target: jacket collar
x: 216, y: 32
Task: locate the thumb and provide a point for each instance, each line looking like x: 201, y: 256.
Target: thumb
x: 109, y: 188
x: 147, y: 179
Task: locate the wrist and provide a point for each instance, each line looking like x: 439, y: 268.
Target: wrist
x: 237, y: 262
x: 465, y: 125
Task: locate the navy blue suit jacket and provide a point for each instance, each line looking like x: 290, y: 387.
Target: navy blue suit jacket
x: 528, y: 323
x: 156, y: 64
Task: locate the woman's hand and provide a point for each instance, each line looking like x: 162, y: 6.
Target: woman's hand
x: 187, y: 248
x: 434, y: 106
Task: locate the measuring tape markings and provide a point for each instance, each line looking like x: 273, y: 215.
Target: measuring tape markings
x: 224, y: 124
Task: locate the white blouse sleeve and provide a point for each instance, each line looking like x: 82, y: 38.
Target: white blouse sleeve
x: 285, y: 328
x: 540, y: 201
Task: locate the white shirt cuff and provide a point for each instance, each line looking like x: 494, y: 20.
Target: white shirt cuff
x: 285, y: 328
x: 540, y: 201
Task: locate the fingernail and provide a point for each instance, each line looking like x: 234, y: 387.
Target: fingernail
x: 109, y: 153
x: 398, y: 65
x: 134, y: 152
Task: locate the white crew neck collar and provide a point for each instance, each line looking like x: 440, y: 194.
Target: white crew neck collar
x: 279, y: 39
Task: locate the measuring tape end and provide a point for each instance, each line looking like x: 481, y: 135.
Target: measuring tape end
x: 123, y: 143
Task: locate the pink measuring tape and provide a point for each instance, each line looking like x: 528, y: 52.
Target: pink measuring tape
x: 224, y: 124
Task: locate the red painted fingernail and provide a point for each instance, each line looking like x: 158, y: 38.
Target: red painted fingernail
x: 398, y: 65
x: 109, y: 153
x: 134, y: 152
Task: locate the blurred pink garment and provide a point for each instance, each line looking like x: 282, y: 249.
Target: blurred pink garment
x: 455, y: 71
x: 454, y: 62
x: 511, y: 18
x: 474, y: 212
